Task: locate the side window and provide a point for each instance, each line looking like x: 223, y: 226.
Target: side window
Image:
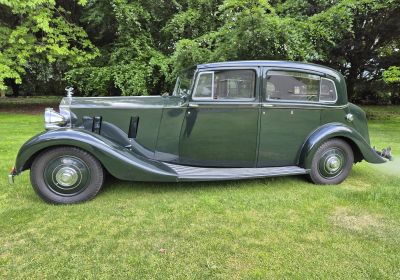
x: 290, y: 85
x: 234, y: 84
x: 204, y: 86
x: 226, y: 85
x: 328, y: 91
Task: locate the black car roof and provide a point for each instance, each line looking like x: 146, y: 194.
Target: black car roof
x: 272, y: 63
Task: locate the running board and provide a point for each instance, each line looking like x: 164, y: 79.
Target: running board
x: 190, y: 173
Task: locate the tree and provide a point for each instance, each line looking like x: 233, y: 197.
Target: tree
x: 254, y: 30
x: 141, y: 45
x: 130, y: 64
x: 361, y: 50
x: 375, y: 25
x: 357, y: 37
x: 39, y: 32
x: 391, y: 76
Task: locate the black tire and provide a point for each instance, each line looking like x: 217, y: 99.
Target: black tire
x: 331, y: 163
x: 65, y: 175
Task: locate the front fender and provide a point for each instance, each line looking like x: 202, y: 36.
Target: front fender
x: 116, y: 159
x: 336, y: 130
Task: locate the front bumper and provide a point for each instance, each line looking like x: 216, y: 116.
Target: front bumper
x: 11, y: 176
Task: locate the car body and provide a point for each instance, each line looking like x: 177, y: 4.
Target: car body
x: 225, y: 121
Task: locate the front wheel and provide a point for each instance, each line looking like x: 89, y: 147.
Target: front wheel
x: 66, y: 175
x: 332, y: 162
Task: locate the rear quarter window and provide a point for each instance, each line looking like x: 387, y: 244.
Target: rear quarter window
x: 328, y: 91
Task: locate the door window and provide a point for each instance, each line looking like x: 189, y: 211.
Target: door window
x: 299, y: 86
x: 204, y: 86
x: 294, y: 86
x: 226, y: 85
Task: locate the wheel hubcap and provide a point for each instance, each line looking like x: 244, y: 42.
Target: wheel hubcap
x: 66, y: 175
x: 331, y: 163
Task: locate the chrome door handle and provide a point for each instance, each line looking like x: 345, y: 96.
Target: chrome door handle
x: 193, y: 105
x: 267, y: 105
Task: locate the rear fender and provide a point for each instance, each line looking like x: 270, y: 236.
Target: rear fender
x: 116, y: 159
x: 336, y: 130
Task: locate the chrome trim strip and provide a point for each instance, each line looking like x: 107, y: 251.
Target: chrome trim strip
x: 226, y: 107
x: 222, y: 105
x: 305, y: 106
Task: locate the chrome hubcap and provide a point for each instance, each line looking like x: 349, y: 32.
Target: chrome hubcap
x: 332, y: 164
x: 66, y: 176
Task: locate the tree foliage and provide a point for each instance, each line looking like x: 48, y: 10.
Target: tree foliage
x: 39, y: 32
x: 360, y: 54
x: 131, y: 63
x: 392, y: 75
x: 121, y: 47
x: 254, y: 30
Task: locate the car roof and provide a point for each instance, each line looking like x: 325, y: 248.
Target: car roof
x: 272, y: 63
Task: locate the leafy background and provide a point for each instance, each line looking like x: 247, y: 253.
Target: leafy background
x: 137, y: 47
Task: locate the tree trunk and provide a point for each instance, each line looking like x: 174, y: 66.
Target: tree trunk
x: 351, y: 81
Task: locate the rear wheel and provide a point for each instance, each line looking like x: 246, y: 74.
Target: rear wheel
x: 332, y: 162
x: 66, y: 175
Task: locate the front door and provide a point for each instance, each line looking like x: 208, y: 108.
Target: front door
x: 289, y: 113
x: 221, y: 123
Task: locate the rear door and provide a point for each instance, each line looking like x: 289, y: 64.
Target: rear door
x: 221, y: 123
x: 290, y: 111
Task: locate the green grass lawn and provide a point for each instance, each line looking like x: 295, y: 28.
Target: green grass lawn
x: 255, y: 229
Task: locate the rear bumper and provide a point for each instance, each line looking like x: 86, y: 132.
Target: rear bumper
x: 385, y: 153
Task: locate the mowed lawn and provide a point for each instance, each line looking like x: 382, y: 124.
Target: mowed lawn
x: 254, y: 229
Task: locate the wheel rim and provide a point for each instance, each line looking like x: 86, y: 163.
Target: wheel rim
x: 331, y: 163
x: 66, y: 175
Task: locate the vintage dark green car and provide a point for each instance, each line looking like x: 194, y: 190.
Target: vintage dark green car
x: 224, y: 121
